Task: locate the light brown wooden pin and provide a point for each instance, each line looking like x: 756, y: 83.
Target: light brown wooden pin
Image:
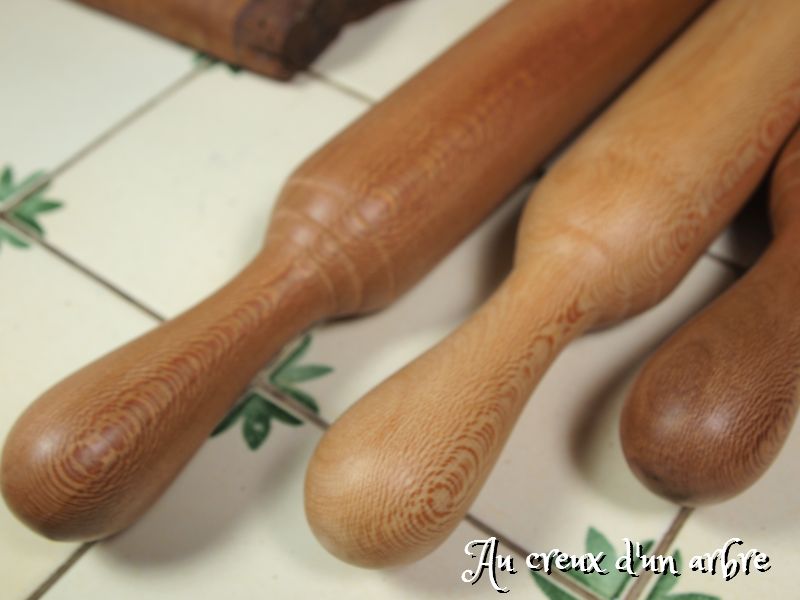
x: 357, y: 224
x: 608, y: 232
x: 712, y: 408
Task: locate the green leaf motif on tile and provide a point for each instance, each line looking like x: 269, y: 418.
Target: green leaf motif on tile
x: 614, y: 585
x: 8, y: 187
x: 6, y: 182
x: 27, y: 212
x: 256, y: 423
x: 301, y: 373
x: 11, y: 239
x: 665, y: 582
x: 302, y: 398
x: 231, y: 418
x: 257, y: 412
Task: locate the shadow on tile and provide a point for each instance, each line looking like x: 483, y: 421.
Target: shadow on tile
x: 214, y: 497
x: 594, y: 438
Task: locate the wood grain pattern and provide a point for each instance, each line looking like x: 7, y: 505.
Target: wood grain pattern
x: 712, y: 408
x: 275, y: 38
x: 356, y: 225
x: 608, y: 232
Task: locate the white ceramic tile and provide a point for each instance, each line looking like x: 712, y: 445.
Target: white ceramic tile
x: 70, y: 73
x: 53, y: 321
x: 763, y: 517
x: 378, y: 53
x: 174, y: 206
x: 233, y: 526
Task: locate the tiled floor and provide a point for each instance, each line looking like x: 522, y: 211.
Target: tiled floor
x: 167, y: 170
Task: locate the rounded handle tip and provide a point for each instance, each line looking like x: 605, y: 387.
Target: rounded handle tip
x: 380, y: 491
x: 72, y: 471
x: 695, y: 431
x: 367, y: 513
x: 44, y: 489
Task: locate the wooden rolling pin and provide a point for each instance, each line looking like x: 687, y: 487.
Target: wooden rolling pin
x: 607, y: 233
x: 355, y: 225
x: 272, y: 37
x: 712, y: 408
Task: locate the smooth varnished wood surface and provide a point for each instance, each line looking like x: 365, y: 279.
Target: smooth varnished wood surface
x: 609, y: 231
x: 355, y: 226
x: 712, y: 408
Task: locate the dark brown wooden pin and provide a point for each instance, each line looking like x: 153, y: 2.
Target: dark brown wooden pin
x: 712, y: 408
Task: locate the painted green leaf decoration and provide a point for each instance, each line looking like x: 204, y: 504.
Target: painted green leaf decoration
x: 613, y: 585
x: 666, y: 581
x: 292, y: 357
x: 11, y: 238
x: 552, y: 591
x: 596, y: 543
x: 258, y: 411
x: 609, y: 586
x: 256, y: 423
x: 28, y: 210
x: 7, y: 185
x: 647, y: 545
x: 30, y: 180
x: 231, y: 417
x: 6, y: 182
x: 283, y: 416
x: 605, y: 585
x: 297, y: 374
x: 302, y: 398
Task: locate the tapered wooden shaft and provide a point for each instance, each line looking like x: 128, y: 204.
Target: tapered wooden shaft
x: 609, y: 231
x: 355, y: 226
x: 712, y: 408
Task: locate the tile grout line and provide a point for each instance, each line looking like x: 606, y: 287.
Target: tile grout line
x: 664, y: 544
x: 40, y: 182
x: 48, y: 583
x: 563, y: 581
x: 293, y: 406
x: 98, y: 279
x: 341, y: 87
